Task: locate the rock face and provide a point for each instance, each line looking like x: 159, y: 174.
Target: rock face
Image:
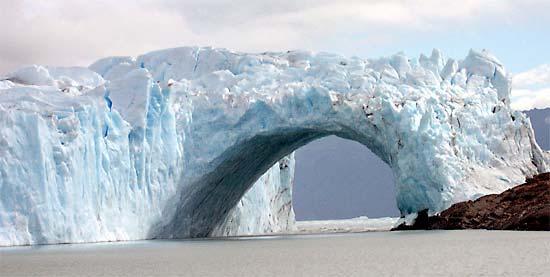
x: 525, y: 207
x: 194, y: 142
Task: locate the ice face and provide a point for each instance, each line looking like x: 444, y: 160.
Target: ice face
x: 191, y: 142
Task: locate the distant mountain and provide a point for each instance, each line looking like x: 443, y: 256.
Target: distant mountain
x: 540, y: 120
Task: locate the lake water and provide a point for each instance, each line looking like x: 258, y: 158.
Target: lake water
x: 414, y: 253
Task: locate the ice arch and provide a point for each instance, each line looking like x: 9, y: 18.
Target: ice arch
x: 420, y: 146
x: 166, y: 144
x: 422, y: 119
x: 207, y: 202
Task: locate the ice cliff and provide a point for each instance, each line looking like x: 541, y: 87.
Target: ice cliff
x: 192, y: 142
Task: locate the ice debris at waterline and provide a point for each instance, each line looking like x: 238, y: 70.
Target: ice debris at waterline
x: 193, y: 142
x: 352, y: 225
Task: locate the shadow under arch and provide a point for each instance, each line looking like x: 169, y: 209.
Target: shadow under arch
x: 206, y: 202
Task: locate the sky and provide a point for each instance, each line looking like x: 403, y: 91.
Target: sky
x: 78, y: 32
x: 69, y: 32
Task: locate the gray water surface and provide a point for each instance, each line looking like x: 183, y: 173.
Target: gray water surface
x: 415, y: 253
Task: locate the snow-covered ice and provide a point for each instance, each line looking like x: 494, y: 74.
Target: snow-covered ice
x: 194, y: 141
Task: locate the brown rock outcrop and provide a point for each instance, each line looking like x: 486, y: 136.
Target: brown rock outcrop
x: 524, y: 207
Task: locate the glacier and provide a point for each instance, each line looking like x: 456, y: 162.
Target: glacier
x: 197, y: 141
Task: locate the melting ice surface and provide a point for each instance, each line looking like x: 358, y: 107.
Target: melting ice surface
x: 193, y: 142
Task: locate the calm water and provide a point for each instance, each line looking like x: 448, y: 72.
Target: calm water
x: 436, y: 253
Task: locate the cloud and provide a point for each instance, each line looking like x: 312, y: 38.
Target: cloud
x: 525, y: 99
x: 536, y: 77
x: 76, y: 32
x: 532, y: 89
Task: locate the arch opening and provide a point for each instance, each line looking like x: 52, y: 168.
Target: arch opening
x: 337, y: 178
x: 208, y: 201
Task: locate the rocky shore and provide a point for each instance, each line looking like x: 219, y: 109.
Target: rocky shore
x: 524, y: 207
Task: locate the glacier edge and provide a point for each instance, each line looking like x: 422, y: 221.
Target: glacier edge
x: 172, y: 145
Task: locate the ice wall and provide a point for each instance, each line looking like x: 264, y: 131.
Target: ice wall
x: 266, y: 207
x: 193, y: 142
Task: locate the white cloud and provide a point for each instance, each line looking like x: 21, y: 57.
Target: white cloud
x: 68, y: 32
x: 525, y: 99
x: 532, y: 89
x: 538, y: 76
